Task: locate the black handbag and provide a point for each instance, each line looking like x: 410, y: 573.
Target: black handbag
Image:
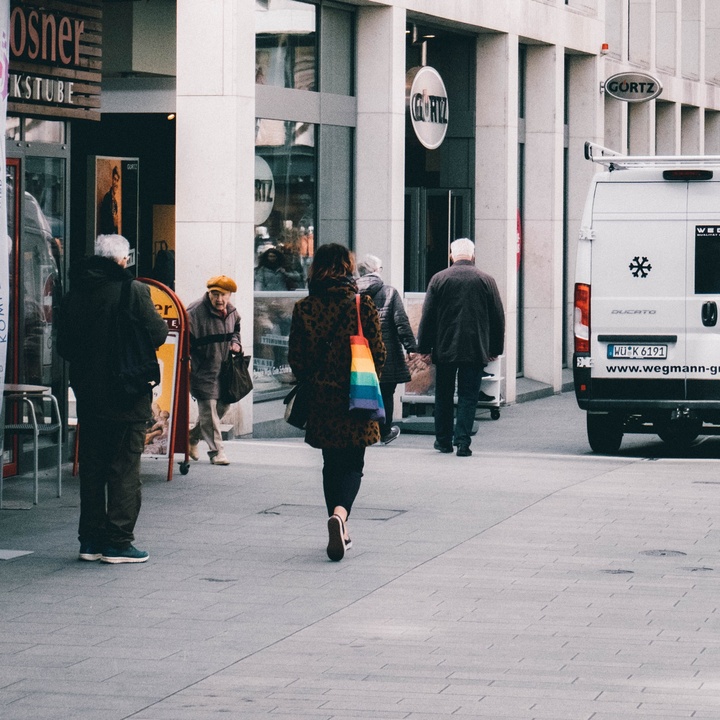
x: 297, y: 405
x: 235, y: 379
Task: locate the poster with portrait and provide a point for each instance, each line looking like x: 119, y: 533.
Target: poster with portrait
x: 113, y: 200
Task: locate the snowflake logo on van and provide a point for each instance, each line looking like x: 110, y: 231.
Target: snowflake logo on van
x: 640, y: 267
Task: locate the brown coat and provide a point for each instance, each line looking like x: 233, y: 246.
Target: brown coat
x: 315, y: 318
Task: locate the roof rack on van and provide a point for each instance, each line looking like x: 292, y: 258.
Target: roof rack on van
x: 615, y: 160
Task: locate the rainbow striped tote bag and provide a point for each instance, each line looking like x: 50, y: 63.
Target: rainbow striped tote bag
x: 364, y: 385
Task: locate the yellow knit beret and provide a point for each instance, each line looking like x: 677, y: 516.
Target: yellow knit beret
x: 222, y: 283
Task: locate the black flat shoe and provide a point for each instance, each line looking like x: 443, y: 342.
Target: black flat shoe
x: 336, y: 541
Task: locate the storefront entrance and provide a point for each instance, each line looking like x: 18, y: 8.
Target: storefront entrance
x: 434, y: 217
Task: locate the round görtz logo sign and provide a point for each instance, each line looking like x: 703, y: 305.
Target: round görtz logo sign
x: 427, y: 103
x: 633, y: 87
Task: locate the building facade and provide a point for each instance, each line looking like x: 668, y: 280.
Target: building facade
x: 259, y: 129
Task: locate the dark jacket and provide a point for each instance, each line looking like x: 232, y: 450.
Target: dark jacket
x: 211, y: 335
x: 85, y: 337
x: 332, y: 316
x: 396, y: 330
x: 462, y: 319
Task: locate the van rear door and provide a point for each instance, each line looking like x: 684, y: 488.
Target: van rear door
x: 703, y: 280
x: 638, y: 289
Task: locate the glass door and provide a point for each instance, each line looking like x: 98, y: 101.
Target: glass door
x: 434, y: 217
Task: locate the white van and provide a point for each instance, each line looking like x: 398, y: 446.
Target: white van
x: 647, y: 339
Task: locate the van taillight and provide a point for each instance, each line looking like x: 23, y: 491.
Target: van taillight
x: 581, y: 322
x: 687, y: 175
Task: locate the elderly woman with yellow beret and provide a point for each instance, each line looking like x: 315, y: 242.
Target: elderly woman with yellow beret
x: 214, y: 332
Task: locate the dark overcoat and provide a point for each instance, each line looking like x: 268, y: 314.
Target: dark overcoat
x: 396, y: 330
x: 85, y: 338
x: 463, y: 320
x: 330, y: 316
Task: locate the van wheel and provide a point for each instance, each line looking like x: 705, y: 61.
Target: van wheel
x: 679, y: 438
x: 604, y: 433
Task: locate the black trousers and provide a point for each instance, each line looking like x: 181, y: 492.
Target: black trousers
x: 387, y: 390
x: 110, y: 486
x: 342, y: 472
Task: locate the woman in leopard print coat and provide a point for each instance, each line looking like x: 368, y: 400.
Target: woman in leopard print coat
x: 322, y: 324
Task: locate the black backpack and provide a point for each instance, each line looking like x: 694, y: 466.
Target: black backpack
x: 134, y: 364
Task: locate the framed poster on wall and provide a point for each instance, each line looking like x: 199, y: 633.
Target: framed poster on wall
x: 113, y: 184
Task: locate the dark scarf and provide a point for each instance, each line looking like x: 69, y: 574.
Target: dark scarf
x: 326, y: 285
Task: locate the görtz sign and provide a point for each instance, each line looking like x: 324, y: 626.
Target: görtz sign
x: 427, y: 104
x: 55, y: 58
x: 633, y: 87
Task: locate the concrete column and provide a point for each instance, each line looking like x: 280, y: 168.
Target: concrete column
x: 215, y: 157
x: 642, y: 128
x: 496, y: 179
x: 380, y: 139
x: 667, y: 122
x: 543, y: 239
x: 692, y: 131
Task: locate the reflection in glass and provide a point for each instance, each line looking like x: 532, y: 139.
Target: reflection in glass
x: 12, y: 128
x: 42, y: 246
x: 285, y: 44
x: 284, y: 204
x: 44, y: 131
x: 271, y: 371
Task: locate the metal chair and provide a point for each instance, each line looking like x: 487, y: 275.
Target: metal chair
x: 26, y: 397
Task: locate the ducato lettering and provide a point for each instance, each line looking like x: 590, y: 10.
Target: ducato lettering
x: 633, y: 312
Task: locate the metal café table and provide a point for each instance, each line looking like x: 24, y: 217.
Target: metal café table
x: 22, y: 419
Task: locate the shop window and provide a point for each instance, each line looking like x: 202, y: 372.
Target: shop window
x: 41, y: 262
x: 34, y: 130
x: 12, y: 128
x: 285, y: 44
x: 285, y: 181
x: 44, y: 131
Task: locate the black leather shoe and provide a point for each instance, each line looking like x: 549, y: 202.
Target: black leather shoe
x: 442, y: 448
x: 464, y: 451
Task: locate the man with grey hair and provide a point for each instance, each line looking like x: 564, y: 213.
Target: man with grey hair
x: 463, y: 328
x: 111, y: 421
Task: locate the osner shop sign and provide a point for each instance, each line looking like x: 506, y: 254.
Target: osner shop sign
x: 633, y: 87
x: 427, y: 104
x: 55, y: 58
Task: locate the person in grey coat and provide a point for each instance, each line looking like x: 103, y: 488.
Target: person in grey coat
x: 396, y: 332
x: 463, y: 326
x: 214, y: 333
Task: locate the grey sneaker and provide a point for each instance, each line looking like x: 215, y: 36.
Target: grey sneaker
x: 130, y: 554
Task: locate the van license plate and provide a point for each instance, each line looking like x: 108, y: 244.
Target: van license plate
x: 637, y: 352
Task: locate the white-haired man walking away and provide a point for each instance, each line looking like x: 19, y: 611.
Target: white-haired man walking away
x: 462, y: 329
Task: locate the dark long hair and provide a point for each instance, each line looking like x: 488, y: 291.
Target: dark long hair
x: 331, y: 261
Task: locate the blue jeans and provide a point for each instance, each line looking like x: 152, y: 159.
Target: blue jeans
x: 468, y: 388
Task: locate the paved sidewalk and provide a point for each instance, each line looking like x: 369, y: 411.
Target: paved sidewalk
x: 533, y: 580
